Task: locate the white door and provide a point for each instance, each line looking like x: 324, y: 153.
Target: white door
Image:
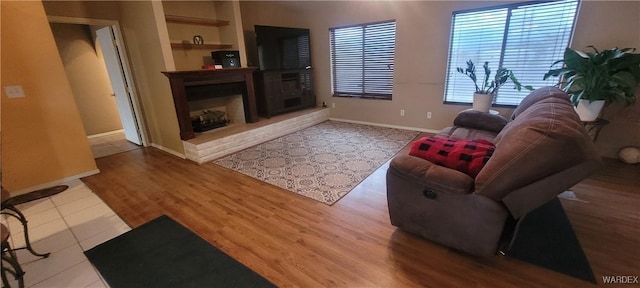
x: 119, y: 85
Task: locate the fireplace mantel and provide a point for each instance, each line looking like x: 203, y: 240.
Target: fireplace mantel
x: 199, y: 84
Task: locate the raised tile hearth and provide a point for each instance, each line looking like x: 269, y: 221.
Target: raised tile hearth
x: 216, y: 143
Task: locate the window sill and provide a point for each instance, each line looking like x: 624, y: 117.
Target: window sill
x: 362, y: 97
x: 469, y: 104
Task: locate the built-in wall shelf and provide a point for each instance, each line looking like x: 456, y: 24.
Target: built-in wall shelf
x: 200, y: 46
x: 196, y: 21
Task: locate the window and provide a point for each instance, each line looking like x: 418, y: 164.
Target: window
x: 362, y: 60
x: 525, y: 38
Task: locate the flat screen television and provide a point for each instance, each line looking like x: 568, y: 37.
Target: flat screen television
x: 281, y: 48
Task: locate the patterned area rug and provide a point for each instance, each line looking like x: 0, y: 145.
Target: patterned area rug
x: 323, y: 162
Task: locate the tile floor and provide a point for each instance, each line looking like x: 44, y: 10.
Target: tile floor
x: 110, y: 144
x: 65, y: 224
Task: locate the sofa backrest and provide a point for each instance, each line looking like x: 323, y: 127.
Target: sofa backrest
x: 535, y: 96
x: 544, y: 140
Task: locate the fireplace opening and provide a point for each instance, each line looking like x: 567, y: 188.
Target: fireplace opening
x: 208, y: 120
x: 211, y: 113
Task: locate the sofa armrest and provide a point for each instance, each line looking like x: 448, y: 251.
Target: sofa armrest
x: 475, y: 119
x: 427, y: 174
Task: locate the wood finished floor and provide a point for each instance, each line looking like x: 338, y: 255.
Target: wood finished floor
x: 298, y: 242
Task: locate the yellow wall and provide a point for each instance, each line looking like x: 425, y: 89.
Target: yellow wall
x: 84, y: 9
x: 43, y: 139
x: 148, y: 47
x: 422, y: 43
x: 88, y: 77
x: 146, y: 39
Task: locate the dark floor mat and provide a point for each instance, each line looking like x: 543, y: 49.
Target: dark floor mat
x: 163, y: 253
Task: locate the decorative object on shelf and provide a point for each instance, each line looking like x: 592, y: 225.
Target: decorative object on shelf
x: 483, y: 97
x: 198, y: 43
x: 188, y: 45
x: 228, y: 59
x: 197, y: 39
x: 602, y: 77
x: 629, y: 155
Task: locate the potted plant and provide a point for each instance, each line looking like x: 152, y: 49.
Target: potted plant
x: 595, y: 79
x: 483, y: 97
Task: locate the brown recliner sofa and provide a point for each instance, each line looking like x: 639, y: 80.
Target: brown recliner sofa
x: 542, y: 150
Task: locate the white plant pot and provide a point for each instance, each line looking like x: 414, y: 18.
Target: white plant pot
x: 589, y: 111
x: 482, y: 102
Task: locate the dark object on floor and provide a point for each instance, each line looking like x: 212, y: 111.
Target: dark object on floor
x: 9, y: 257
x: 34, y: 195
x: 9, y: 209
x: 162, y: 253
x: 545, y: 238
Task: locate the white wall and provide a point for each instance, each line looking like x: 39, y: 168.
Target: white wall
x: 422, y: 40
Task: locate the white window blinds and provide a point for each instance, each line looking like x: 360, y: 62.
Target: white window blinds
x: 525, y: 38
x: 362, y: 60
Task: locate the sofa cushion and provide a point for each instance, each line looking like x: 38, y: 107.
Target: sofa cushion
x: 475, y: 119
x: 467, y: 133
x: 536, y: 96
x: 467, y: 156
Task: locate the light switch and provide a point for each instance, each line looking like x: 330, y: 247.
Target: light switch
x: 15, y: 91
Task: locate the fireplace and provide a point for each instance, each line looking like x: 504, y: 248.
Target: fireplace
x: 212, y: 113
x: 199, y: 90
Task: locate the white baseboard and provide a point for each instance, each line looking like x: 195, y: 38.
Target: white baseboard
x: 105, y: 133
x: 172, y: 152
x: 54, y: 183
x: 386, y: 125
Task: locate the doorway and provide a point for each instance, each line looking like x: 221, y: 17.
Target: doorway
x: 98, y: 71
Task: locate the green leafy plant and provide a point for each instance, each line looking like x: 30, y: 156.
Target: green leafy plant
x: 491, y: 86
x: 612, y: 75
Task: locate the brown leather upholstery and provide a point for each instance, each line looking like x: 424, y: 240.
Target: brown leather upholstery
x: 474, y: 119
x: 542, y: 151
